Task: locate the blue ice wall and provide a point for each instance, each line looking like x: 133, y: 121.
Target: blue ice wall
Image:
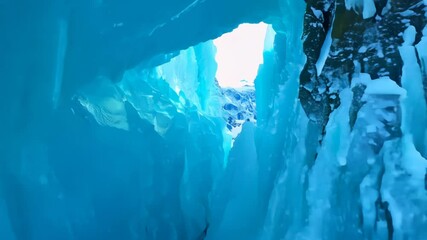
x: 84, y: 158
x: 133, y: 160
x: 112, y: 126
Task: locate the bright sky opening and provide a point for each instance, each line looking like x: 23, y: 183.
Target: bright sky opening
x: 239, y: 54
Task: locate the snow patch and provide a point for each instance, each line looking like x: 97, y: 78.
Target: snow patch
x: 409, y: 35
x: 367, y: 6
x: 384, y: 86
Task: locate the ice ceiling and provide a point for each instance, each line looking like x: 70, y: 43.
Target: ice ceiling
x: 113, y: 126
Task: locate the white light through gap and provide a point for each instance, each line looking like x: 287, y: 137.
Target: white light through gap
x: 239, y: 54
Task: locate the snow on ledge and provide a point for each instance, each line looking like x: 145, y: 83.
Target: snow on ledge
x: 367, y: 6
x: 384, y: 86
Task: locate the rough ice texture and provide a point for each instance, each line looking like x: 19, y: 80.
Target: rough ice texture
x: 131, y: 142
x: 358, y: 46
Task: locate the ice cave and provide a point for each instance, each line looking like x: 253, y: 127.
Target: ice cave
x: 213, y: 119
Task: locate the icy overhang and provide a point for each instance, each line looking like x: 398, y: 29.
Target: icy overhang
x: 108, y: 37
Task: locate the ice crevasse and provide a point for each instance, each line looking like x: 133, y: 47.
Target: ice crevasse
x: 113, y: 125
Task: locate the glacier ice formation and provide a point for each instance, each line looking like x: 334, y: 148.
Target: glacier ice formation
x: 114, y: 127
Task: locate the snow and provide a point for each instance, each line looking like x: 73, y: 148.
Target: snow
x: 409, y: 35
x: 363, y: 49
x: 368, y: 7
x: 318, y: 13
x: 383, y: 86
